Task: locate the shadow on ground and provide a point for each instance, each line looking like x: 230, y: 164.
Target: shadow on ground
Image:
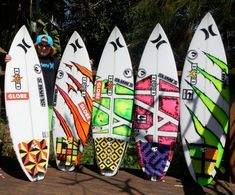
x: 11, y: 166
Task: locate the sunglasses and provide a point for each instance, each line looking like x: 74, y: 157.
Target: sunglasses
x: 42, y: 45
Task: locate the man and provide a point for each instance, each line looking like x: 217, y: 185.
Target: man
x: 46, y: 52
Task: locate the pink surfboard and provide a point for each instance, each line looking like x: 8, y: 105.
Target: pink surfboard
x: 156, y: 113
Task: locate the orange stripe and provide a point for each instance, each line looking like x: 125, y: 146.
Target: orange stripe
x: 69, y: 66
x: 77, y: 83
x: 84, y: 71
x: 63, y: 123
x: 89, y: 102
x: 79, y: 86
x: 70, y: 87
x: 81, y: 126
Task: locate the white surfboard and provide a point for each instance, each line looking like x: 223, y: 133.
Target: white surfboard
x: 204, y: 102
x: 156, y: 113
x: 73, y: 104
x: 26, y: 107
x: 112, y: 105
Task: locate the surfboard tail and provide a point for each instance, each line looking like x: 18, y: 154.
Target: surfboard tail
x: 34, y: 157
x: 109, y: 154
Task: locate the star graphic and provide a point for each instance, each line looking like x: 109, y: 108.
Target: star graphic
x: 109, y: 85
x: 16, y: 78
x: 193, y: 73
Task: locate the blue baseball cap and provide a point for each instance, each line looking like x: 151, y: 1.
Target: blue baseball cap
x: 44, y: 39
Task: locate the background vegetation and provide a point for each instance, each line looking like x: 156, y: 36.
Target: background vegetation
x: 95, y: 19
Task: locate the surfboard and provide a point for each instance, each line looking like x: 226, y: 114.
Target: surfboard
x: 26, y: 107
x: 204, y: 102
x: 112, y: 104
x: 232, y: 144
x: 73, y: 104
x: 156, y: 110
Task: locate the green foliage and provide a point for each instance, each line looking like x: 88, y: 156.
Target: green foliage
x: 94, y: 21
x: 46, y: 18
x: 7, y: 148
x: 179, y: 18
x: 131, y: 159
x: 9, y: 33
x: 12, y: 18
x: 37, y: 22
x: 88, y: 155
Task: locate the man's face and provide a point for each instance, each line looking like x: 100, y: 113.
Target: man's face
x: 43, y: 50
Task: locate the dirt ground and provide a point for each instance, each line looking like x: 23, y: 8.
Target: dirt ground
x: 86, y: 180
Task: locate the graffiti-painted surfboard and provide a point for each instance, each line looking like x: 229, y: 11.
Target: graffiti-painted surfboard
x: 156, y: 114
x: 26, y: 107
x: 73, y: 104
x: 204, y: 102
x: 113, y: 104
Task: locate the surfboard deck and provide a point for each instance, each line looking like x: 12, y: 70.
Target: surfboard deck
x: 26, y: 107
x: 156, y: 107
x: 73, y: 104
x: 204, y: 102
x: 232, y: 143
x: 112, y: 105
